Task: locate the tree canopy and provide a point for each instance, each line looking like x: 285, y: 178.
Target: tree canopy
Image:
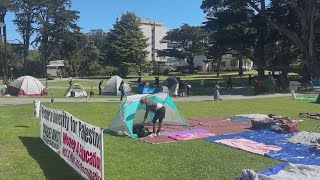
x: 126, y: 42
x: 191, y: 41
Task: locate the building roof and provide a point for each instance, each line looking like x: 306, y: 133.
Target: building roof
x: 151, y: 22
x: 57, y: 63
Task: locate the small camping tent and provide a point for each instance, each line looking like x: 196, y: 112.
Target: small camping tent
x: 131, y: 112
x: 172, y: 82
x: 27, y: 86
x: 75, y: 90
x: 112, y: 87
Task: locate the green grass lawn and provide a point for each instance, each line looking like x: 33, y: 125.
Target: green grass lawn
x: 24, y: 156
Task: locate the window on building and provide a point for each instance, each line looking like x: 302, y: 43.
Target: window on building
x: 223, y: 64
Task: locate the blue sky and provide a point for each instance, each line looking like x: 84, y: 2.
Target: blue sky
x: 102, y: 14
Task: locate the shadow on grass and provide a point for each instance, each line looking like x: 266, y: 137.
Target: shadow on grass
x: 21, y: 126
x: 51, y: 164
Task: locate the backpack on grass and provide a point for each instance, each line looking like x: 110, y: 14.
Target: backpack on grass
x: 140, y: 130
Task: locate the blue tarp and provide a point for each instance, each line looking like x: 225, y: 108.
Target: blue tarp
x: 294, y: 153
x: 274, y: 169
x: 146, y: 90
x: 271, y: 171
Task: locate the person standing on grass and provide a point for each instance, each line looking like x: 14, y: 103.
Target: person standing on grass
x: 156, y: 81
x: 159, y: 114
x: 249, y: 80
x: 70, y: 81
x: 100, y: 84
x: 216, y: 93
x: 229, y: 83
x: 121, y: 89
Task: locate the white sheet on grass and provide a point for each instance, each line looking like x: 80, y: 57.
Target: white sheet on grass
x: 289, y: 172
x: 304, y: 137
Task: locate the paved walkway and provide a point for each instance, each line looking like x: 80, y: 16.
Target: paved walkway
x: 17, y: 101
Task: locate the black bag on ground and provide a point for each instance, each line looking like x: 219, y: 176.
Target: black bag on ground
x: 265, y: 124
x: 140, y: 130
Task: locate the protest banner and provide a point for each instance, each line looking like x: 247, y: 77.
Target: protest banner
x: 80, y: 144
x: 82, y: 148
x: 50, y: 127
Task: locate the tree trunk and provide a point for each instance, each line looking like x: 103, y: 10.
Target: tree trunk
x: 260, y: 72
x: 191, y: 64
x: 26, y: 44
x: 219, y: 66
x: 240, y: 66
x: 260, y: 60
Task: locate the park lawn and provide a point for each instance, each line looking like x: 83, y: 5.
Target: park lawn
x: 24, y: 156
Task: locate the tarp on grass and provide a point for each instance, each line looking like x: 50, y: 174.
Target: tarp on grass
x: 146, y: 90
x: 294, y: 153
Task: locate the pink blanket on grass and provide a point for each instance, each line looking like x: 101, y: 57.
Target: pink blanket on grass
x: 191, y: 136
x: 248, y: 145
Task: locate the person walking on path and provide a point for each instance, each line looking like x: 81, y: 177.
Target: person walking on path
x: 216, y: 93
x: 158, y: 109
x: 229, y: 83
x: 121, y: 89
x: 100, y: 84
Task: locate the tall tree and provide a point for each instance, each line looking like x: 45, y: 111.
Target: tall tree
x: 239, y: 29
x: 233, y: 29
x: 126, y: 42
x: 25, y: 18
x: 54, y: 18
x: 98, y: 37
x: 307, y: 12
x: 192, y: 41
x: 79, y: 53
x: 5, y: 6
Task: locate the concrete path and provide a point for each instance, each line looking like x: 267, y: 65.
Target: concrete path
x: 18, y: 101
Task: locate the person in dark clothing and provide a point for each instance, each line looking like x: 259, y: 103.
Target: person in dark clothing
x: 100, y: 84
x: 229, y: 83
x: 249, y: 80
x: 158, y: 109
x: 181, y: 88
x: 121, y: 89
x: 156, y: 81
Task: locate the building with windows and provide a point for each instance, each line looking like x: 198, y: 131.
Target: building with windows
x: 154, y: 31
x: 56, y: 68
x: 228, y: 62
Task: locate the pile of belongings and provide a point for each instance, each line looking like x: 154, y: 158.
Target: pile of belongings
x: 310, y: 115
x: 276, y: 123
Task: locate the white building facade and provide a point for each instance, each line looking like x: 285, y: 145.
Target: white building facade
x: 154, y: 31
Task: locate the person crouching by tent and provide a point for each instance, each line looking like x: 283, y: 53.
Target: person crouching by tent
x: 158, y: 109
x: 121, y: 89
